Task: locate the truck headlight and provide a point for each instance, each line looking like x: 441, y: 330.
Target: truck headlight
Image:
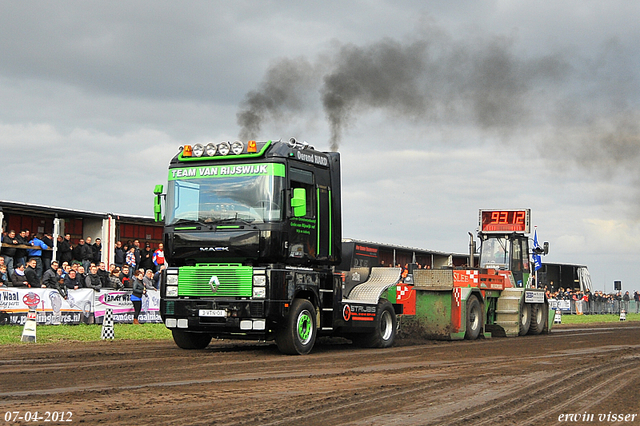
x: 259, y: 292
x: 260, y: 280
x: 172, y: 279
x: 172, y: 291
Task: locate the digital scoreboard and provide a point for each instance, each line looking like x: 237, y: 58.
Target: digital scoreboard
x: 505, y: 221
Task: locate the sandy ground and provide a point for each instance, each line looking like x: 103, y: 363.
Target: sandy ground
x: 517, y: 381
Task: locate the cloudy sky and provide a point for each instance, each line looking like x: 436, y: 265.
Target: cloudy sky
x: 438, y: 108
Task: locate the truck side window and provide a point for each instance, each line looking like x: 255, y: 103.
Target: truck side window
x: 305, y: 179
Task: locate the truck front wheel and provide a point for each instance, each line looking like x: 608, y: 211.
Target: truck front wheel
x: 190, y: 340
x: 384, y: 331
x: 298, y: 334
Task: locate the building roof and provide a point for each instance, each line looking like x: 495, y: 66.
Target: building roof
x: 52, y: 211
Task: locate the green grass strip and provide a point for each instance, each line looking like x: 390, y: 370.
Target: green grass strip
x: 595, y: 319
x: 11, y: 334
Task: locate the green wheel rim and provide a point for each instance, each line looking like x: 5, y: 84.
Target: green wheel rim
x: 305, y: 327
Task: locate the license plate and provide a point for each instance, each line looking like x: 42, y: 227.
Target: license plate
x: 213, y: 313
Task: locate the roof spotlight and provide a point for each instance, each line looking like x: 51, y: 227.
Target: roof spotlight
x: 198, y: 150
x: 210, y: 149
x: 224, y: 148
x: 237, y: 147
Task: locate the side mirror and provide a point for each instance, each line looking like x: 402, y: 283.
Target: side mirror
x: 546, y: 247
x: 299, y: 202
x: 157, y: 206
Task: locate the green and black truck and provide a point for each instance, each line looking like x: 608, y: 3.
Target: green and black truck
x: 252, y: 236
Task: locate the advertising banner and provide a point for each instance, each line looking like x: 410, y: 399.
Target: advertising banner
x: 120, y: 303
x: 81, y: 306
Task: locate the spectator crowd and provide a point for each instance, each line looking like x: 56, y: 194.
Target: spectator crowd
x: 597, y: 302
x: 27, y: 260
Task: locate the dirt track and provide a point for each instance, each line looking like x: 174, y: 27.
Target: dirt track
x: 518, y: 381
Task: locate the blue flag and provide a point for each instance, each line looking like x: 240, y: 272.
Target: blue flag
x: 537, y: 261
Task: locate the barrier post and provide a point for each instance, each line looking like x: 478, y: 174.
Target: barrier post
x: 557, y: 319
x: 29, y: 330
x: 107, y: 325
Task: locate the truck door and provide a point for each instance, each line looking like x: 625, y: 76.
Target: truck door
x: 303, y: 237
x: 520, y: 261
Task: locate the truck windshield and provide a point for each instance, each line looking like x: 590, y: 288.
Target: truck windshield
x: 246, y: 199
x: 495, y: 253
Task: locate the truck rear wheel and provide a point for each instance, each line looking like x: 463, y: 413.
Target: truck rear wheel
x: 190, y: 340
x: 298, y: 335
x: 525, y: 318
x: 384, y: 332
x: 474, y: 318
x: 538, y: 318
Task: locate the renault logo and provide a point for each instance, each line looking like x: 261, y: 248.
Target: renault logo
x: 214, y: 283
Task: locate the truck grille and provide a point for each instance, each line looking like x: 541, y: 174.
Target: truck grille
x: 235, y: 280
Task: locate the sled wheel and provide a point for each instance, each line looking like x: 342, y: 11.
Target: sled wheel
x: 384, y: 328
x: 538, y: 318
x: 474, y: 318
x: 525, y: 318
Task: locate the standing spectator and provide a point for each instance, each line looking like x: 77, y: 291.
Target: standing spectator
x: 124, y: 276
x: 147, y: 280
x: 77, y: 251
x: 136, y: 246
x: 103, y: 274
x: 146, y: 257
x: 131, y: 260
x: 4, y: 277
x: 21, y: 253
x: 636, y: 297
x: 64, y: 249
x: 119, y: 255
x: 71, y: 281
x: 47, y: 255
x: 93, y: 280
x: 97, y: 251
x: 50, y: 276
x: 114, y: 279
x: 588, y: 297
x: 625, y: 301
x: 158, y: 257
x: 9, y: 253
x: 81, y: 274
x: 157, y: 276
x: 136, y: 297
x: 87, y: 254
x: 18, y: 278
x: 36, y: 254
x: 30, y: 274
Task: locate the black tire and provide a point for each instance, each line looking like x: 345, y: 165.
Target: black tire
x: 190, y: 340
x: 298, y: 335
x: 538, y: 318
x: 384, y: 328
x: 525, y: 318
x: 474, y: 320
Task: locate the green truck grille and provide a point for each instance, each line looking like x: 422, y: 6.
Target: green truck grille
x: 235, y: 280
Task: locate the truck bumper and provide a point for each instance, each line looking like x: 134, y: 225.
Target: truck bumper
x: 220, y: 318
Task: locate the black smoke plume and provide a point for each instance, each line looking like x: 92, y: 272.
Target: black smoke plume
x: 575, y: 110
